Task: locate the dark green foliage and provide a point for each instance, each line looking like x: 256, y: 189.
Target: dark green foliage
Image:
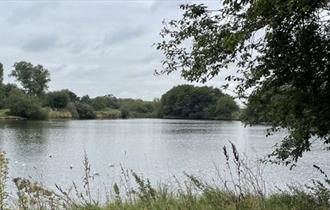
x: 138, y: 108
x: 34, y: 79
x: 58, y: 99
x: 25, y: 106
x: 85, y: 111
x: 226, y: 108
x: 1, y: 74
x: 71, y: 107
x: 72, y: 96
x: 190, y: 102
x: 281, y: 51
x: 124, y: 112
x: 85, y: 99
x: 102, y: 102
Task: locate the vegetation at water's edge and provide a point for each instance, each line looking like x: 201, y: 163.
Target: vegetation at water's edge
x: 244, y: 190
x: 32, y: 101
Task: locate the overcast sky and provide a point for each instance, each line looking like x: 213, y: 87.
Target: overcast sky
x: 93, y: 47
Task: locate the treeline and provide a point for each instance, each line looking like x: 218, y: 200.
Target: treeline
x: 33, y: 101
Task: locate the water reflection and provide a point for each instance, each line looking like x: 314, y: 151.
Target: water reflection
x: 157, y: 148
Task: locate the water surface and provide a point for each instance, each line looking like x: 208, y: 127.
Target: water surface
x: 52, y: 151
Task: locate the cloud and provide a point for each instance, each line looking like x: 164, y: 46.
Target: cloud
x: 125, y: 34
x: 91, y: 47
x: 30, y: 11
x: 37, y: 43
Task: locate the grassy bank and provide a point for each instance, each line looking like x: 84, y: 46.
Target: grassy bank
x: 243, y: 191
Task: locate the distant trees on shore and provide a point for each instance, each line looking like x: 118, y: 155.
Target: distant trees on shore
x: 190, y: 102
x: 32, y: 101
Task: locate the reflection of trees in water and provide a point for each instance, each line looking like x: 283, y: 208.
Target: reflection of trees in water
x: 26, y: 138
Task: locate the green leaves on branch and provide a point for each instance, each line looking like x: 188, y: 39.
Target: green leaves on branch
x: 280, y: 51
x: 34, y: 79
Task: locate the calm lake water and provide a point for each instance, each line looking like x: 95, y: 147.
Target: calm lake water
x: 158, y: 149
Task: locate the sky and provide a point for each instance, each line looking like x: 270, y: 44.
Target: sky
x: 93, y: 47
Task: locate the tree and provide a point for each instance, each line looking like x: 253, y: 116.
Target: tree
x: 72, y: 96
x: 34, y: 79
x: 281, y: 52
x: 22, y: 105
x: 85, y: 99
x: 102, y: 102
x: 58, y: 99
x: 85, y: 111
x: 188, y: 101
x: 1, y: 74
x: 225, y: 108
x: 2, y: 90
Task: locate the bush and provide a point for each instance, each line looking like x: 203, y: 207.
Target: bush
x: 58, y: 99
x: 124, y: 112
x: 22, y: 105
x: 225, y: 108
x: 73, y: 110
x: 108, y: 113
x: 85, y: 111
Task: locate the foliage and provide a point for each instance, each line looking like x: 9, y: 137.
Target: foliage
x: 34, y: 79
x: 85, y: 111
x: 124, y: 112
x: 280, y: 50
x: 187, y: 101
x: 1, y: 74
x: 58, y: 99
x: 226, y: 107
x: 25, y: 106
x: 85, y: 99
x: 102, y: 102
x: 71, y: 107
x: 62, y: 114
x: 72, y: 96
x: 244, y: 191
x: 137, y: 108
x: 108, y: 113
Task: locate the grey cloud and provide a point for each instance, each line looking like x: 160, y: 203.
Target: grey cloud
x: 91, y: 47
x: 40, y: 43
x: 28, y: 11
x: 123, y: 35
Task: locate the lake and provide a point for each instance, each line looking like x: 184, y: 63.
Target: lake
x: 52, y: 151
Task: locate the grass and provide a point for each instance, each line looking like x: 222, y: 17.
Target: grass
x: 243, y: 191
x: 108, y: 113
x: 59, y: 114
x: 3, y: 112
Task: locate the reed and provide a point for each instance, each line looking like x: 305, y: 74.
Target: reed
x: 243, y: 190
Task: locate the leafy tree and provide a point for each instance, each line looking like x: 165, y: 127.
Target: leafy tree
x: 1, y: 74
x: 34, y: 79
x: 72, y: 96
x: 188, y: 101
x: 281, y: 51
x: 71, y: 107
x: 102, y: 102
x: 85, y: 111
x: 58, y: 99
x: 136, y: 106
x: 225, y: 108
x: 25, y: 106
x: 86, y: 99
x: 124, y: 112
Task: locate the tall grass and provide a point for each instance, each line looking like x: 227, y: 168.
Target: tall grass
x: 243, y: 190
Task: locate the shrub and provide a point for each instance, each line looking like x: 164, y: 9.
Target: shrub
x: 85, y: 111
x: 22, y: 105
x: 73, y: 110
x: 108, y: 113
x: 124, y: 112
x: 58, y: 99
